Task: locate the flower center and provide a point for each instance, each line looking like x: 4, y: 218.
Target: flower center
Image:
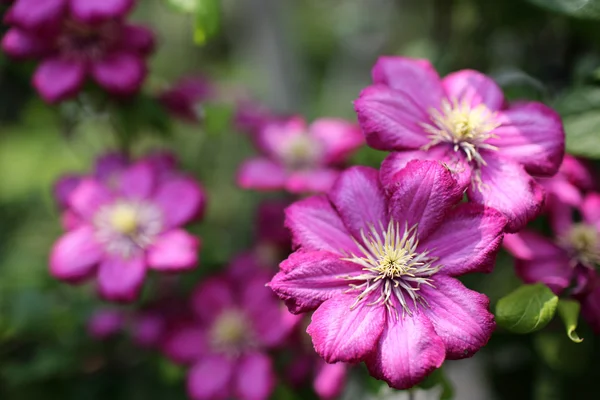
x: 126, y: 227
x: 393, y: 266
x: 465, y: 127
x: 230, y: 332
x: 86, y: 42
x: 583, y: 241
x: 301, y: 152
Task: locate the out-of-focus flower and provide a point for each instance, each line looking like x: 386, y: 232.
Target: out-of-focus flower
x: 300, y: 158
x: 250, y: 117
x: 567, y: 263
x: 106, y: 323
x: 185, y: 97
x: 127, y: 221
x: 379, y: 267
x: 463, y: 120
x: 79, y: 39
x: 225, y: 347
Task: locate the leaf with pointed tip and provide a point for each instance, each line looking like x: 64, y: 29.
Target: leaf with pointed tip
x: 527, y: 309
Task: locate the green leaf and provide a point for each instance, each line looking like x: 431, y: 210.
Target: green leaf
x: 184, y: 6
x: 438, y: 378
x: 589, y: 9
x: 583, y: 134
x: 207, y: 20
x: 527, y: 309
x: 569, y: 312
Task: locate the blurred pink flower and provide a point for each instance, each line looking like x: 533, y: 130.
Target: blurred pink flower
x: 184, y: 99
x: 225, y: 346
x: 105, y: 323
x: 126, y: 222
x: 567, y: 262
x: 300, y: 158
x: 79, y: 39
x: 379, y: 268
x: 250, y: 116
x: 463, y: 120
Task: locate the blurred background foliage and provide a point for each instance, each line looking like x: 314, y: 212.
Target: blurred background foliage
x: 296, y: 56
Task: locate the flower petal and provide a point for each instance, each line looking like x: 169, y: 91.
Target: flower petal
x: 341, y: 332
x: 120, y: 73
x: 390, y: 119
x: 75, y: 255
x: 415, y: 77
x: 421, y: 194
x: 110, y: 165
x: 590, y: 309
x: 182, y: 199
x: 185, y: 344
x: 21, y: 44
x: 88, y: 197
x: 538, y: 259
x: 408, y: 351
x: 137, y: 181
x: 531, y: 134
x: 467, y: 240
x: 254, y: 378
x: 308, y: 279
x: 93, y: 11
x: 121, y: 280
x: 56, y: 79
x: 261, y: 174
x: 175, y: 250
x: 474, y: 88
x: 138, y: 38
x: 506, y: 187
x: 460, y: 316
x: 315, y: 225
x: 313, y: 181
x: 36, y: 14
x: 359, y: 199
x: 210, y: 378
x: 591, y: 209
x: 275, y: 134
x: 330, y: 380
x: 339, y: 138
x: 211, y: 298
x: 63, y: 188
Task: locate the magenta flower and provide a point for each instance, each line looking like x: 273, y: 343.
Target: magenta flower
x: 79, y: 39
x: 184, y: 98
x: 464, y: 121
x: 379, y: 268
x: 126, y: 223
x: 105, y: 323
x: 226, y: 345
x: 568, y: 262
x: 299, y: 158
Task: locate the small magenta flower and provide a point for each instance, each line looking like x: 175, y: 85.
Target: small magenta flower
x: 106, y: 323
x: 464, y: 121
x: 226, y: 345
x: 79, y: 39
x: 567, y: 263
x: 297, y: 157
x: 126, y: 222
x: 379, y: 268
x: 184, y: 99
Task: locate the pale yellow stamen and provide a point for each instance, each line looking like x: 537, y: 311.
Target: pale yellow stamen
x: 301, y: 151
x: 584, y: 242
x: 124, y: 218
x: 230, y: 331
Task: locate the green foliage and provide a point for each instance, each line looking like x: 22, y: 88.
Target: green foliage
x: 527, y: 309
x: 569, y: 312
x: 206, y: 13
x: 437, y: 379
x: 576, y: 8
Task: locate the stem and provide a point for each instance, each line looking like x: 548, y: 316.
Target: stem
x: 411, y: 394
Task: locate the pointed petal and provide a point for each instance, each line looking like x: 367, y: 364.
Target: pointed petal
x: 531, y: 134
x: 138, y: 38
x: 460, y: 316
x: 211, y: 298
x: 359, y: 199
x: 181, y: 199
x: 63, y: 188
x: 261, y: 174
x: 308, y: 279
x: 339, y: 138
x: 36, y: 14
x: 121, y: 280
x: 591, y: 209
x: 88, y: 197
x: 330, y: 380
x: 415, y: 77
x: 422, y: 194
x: 474, y: 88
x: 137, y: 181
x: 56, y: 79
x: 186, y: 344
x: 312, y: 181
x: 315, y: 225
x: 110, y: 165
x: 467, y: 240
x: 390, y: 119
x: 94, y: 11
x: 120, y: 73
x: 408, y: 351
x: 210, y: 378
x: 342, y: 333
x: 75, y: 255
x: 509, y: 189
x: 254, y: 378
x: 175, y: 250
x: 21, y: 44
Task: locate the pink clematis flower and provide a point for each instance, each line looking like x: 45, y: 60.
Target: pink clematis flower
x: 184, y: 98
x: 379, y: 268
x: 125, y: 223
x: 463, y: 120
x: 567, y: 263
x: 106, y: 323
x: 225, y: 346
x: 79, y: 39
x: 297, y: 157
